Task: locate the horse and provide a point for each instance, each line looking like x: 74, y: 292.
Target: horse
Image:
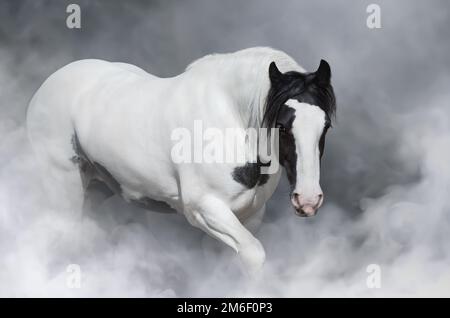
x: 107, y: 127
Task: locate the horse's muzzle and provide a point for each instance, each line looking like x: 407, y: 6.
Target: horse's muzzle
x: 306, y: 211
x: 306, y: 208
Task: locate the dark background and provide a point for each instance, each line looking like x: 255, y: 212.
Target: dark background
x: 385, y: 171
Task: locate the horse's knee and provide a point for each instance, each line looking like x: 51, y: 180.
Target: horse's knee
x: 192, y: 217
x: 216, y: 219
x: 252, y: 255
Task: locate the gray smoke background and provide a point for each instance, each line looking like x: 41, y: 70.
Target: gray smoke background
x: 385, y: 173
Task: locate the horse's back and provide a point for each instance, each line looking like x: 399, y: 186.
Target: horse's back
x: 50, y: 122
x: 102, y: 106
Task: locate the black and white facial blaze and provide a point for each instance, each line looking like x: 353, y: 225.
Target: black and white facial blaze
x: 301, y: 105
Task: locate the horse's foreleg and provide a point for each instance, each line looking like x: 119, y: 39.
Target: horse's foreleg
x: 95, y: 193
x: 64, y: 190
x: 214, y: 217
x: 253, y: 223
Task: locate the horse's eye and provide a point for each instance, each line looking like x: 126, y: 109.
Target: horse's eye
x: 281, y: 127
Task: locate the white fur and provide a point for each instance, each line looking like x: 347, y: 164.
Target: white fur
x: 307, y: 128
x: 124, y: 116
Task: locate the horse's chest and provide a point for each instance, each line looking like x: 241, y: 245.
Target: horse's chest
x: 256, y: 188
x: 248, y: 202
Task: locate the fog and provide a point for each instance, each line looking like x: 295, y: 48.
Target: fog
x: 385, y: 172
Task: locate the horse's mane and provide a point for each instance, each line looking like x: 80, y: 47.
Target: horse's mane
x: 311, y: 93
x: 258, y: 56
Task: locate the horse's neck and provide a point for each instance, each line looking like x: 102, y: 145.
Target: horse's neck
x: 244, y: 76
x: 244, y: 83
x: 248, y: 86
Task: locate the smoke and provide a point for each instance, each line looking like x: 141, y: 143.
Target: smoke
x: 385, y: 172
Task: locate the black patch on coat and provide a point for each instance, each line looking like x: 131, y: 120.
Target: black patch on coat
x: 91, y: 170
x: 108, y: 178
x: 250, y: 175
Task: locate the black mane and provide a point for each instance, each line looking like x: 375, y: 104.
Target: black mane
x: 303, y: 87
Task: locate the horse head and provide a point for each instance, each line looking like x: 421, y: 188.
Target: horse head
x: 301, y: 106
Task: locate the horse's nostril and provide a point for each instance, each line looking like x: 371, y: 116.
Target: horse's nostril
x: 319, y: 200
x: 295, y: 200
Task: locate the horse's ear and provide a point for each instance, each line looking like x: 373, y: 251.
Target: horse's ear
x: 274, y: 73
x: 323, y: 73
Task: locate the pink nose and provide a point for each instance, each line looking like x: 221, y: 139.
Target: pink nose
x: 306, y: 206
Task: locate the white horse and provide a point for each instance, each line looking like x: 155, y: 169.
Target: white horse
x: 94, y: 123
